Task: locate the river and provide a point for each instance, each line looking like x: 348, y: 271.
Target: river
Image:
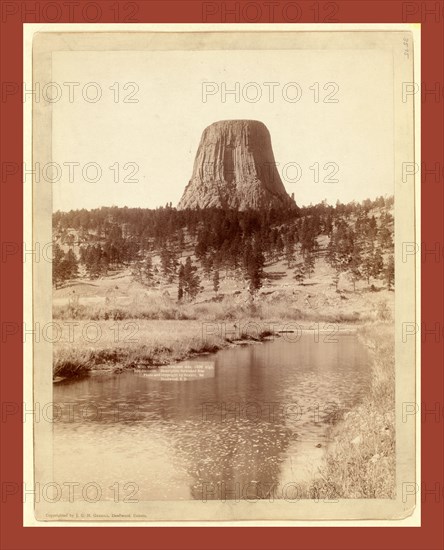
x: 236, y: 424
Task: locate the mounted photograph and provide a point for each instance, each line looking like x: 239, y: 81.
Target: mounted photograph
x: 225, y: 284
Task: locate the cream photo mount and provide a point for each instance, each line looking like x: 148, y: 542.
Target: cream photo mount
x: 40, y: 43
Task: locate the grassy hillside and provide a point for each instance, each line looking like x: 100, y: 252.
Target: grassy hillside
x: 120, y: 296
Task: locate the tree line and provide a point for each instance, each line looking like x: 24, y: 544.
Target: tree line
x: 239, y: 244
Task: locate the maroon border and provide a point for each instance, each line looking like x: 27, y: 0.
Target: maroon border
x: 430, y: 535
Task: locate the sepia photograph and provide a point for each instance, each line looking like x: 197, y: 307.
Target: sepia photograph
x: 226, y: 285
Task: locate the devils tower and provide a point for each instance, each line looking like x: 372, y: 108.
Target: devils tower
x: 235, y: 168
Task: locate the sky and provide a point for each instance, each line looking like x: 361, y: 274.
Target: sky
x: 146, y: 149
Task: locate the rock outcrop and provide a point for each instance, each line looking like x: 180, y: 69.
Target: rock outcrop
x: 235, y: 168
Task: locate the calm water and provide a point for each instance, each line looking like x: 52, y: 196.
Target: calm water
x: 253, y: 416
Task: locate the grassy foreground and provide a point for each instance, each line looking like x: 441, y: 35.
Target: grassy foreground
x: 361, y: 462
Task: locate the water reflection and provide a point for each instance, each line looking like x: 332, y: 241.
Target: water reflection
x: 257, y: 416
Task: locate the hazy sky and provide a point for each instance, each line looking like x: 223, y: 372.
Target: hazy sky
x: 161, y: 133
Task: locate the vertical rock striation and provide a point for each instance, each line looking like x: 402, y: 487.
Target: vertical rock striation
x: 235, y: 168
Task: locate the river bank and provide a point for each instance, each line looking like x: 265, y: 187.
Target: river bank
x: 86, y: 347
x: 361, y: 460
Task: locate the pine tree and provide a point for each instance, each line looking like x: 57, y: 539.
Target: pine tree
x: 328, y: 224
x: 289, y: 248
x: 180, y: 238
x: 191, y: 279
x: 253, y: 265
x: 92, y: 262
x: 181, y: 282
x: 71, y: 264
x: 58, y: 265
x: 207, y: 264
x: 336, y: 279
x: 149, y: 269
x: 143, y: 271
x: 104, y: 264
x: 309, y: 263
x: 234, y: 252
x: 385, y: 239
x: 279, y: 246
x: 355, y: 271
x: 308, y: 236
x: 299, y: 272
x: 216, y: 281
x: 169, y: 262
x: 367, y: 265
x: 82, y: 254
x: 355, y: 264
x: 389, y: 273
x: 377, y: 264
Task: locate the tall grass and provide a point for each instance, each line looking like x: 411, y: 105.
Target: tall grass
x: 72, y: 363
x: 148, y: 344
x: 228, y: 309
